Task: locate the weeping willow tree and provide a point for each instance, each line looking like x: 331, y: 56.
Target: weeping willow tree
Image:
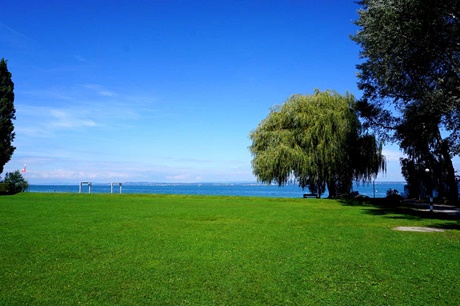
x: 317, y: 141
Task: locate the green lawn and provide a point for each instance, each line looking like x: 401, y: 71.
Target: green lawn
x: 94, y: 249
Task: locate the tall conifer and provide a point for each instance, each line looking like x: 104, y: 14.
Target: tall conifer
x: 7, y: 115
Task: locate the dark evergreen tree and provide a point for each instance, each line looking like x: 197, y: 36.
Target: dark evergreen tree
x: 7, y: 115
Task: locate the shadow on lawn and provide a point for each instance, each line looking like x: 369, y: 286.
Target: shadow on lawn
x: 409, y: 210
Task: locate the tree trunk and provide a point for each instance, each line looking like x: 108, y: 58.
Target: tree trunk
x: 332, y: 189
x: 452, y: 196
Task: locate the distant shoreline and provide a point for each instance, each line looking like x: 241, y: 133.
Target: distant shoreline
x: 192, y: 183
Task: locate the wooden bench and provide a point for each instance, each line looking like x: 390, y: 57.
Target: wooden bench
x: 309, y: 195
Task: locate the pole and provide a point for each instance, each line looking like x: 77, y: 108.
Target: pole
x: 373, y: 183
x: 430, y: 188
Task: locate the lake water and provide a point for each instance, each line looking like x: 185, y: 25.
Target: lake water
x: 221, y: 189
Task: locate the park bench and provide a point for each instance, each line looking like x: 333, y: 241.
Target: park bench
x: 309, y: 195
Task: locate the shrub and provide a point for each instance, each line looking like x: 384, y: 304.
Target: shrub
x: 350, y: 195
x: 4, y: 188
x: 14, y: 182
x: 393, y: 196
x: 392, y: 192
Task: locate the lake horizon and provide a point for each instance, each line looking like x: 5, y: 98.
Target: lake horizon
x: 217, y: 188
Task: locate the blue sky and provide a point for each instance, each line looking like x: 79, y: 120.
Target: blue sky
x: 165, y: 90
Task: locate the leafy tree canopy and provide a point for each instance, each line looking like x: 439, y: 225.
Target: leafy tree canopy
x: 410, y: 77
x: 411, y: 53
x: 317, y: 141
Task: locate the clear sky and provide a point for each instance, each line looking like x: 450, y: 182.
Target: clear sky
x: 165, y: 90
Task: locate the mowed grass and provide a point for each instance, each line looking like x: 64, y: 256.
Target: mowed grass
x: 70, y: 249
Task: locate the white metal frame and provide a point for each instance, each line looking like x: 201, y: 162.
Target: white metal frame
x: 85, y: 183
x: 111, y: 187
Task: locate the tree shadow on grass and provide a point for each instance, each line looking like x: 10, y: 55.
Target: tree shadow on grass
x: 449, y: 216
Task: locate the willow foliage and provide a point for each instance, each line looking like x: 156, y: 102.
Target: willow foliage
x: 317, y: 141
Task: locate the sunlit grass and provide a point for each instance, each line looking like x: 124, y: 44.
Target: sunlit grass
x: 167, y: 249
